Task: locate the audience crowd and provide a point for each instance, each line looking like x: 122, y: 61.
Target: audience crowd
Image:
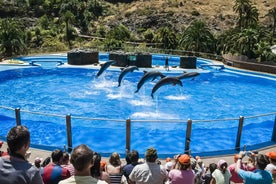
x: 84, y: 166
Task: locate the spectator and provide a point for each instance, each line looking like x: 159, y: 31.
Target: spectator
x: 114, y: 168
x: 184, y: 172
x: 103, y: 165
x: 232, y: 168
x: 207, y: 177
x: 53, y: 172
x: 97, y: 170
x: 82, y: 160
x: 133, y: 157
x: 200, y: 170
x: 65, y: 163
x: 168, y: 164
x: 37, y: 162
x: 2, y: 153
x: 250, y: 164
x: 221, y: 175
x: 272, y: 165
x: 15, y: 169
x: 260, y: 175
x: 149, y: 172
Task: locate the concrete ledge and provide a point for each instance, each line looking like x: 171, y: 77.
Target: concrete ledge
x: 249, y: 65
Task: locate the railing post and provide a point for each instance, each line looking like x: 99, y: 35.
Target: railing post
x: 17, y: 116
x: 239, y: 134
x: 188, y: 136
x: 273, y: 138
x: 69, y: 132
x: 128, y: 130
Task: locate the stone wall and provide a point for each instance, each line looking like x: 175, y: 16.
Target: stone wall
x: 244, y: 63
x: 131, y: 59
x: 82, y: 57
x: 188, y: 62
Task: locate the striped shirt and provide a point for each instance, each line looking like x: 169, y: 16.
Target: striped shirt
x: 115, y: 178
x: 53, y: 173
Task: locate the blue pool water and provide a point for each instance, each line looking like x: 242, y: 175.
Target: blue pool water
x: 214, y: 94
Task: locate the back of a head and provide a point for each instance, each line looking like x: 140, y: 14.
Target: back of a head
x: 134, y: 156
x: 222, y: 165
x: 212, y: 167
x: 81, y: 157
x: 184, y: 162
x: 17, y: 137
x: 151, y: 155
x: 65, y: 158
x: 262, y: 161
x: 57, y: 156
x: 115, y: 159
x: 96, y: 168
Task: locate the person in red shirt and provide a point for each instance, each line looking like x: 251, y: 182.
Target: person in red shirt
x: 53, y: 172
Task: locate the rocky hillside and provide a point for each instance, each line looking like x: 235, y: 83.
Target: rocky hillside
x: 144, y: 14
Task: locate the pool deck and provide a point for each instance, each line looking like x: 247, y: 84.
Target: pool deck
x: 206, y: 160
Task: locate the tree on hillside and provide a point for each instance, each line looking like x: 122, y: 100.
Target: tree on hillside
x: 198, y: 37
x: 240, y: 7
x: 68, y: 18
x: 167, y: 37
x: 11, y: 37
x: 247, y: 13
x: 272, y: 16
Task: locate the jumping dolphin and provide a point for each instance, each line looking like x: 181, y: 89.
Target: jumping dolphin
x: 187, y: 75
x: 165, y: 81
x: 147, y: 76
x: 104, y: 67
x: 125, y: 71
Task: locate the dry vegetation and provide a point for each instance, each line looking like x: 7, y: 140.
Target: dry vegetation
x: 218, y: 14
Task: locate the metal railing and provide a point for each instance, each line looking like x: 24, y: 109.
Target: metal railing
x: 68, y: 119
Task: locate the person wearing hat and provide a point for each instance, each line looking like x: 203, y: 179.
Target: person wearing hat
x: 272, y: 165
x: 183, y: 173
x: 260, y: 175
x: 15, y: 169
x: 149, y: 172
x: 221, y: 175
x: 232, y: 168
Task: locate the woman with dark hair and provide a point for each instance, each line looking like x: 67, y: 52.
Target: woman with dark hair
x: 207, y: 177
x: 182, y: 172
x: 260, y: 175
x: 221, y: 175
x: 96, y: 170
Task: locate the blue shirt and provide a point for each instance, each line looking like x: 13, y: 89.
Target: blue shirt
x: 255, y: 177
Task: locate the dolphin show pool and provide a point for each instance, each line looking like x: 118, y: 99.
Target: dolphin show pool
x: 214, y: 100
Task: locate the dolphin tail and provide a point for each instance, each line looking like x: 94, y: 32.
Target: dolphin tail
x: 152, y: 96
x: 136, y: 91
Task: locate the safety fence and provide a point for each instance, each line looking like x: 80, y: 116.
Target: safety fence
x: 128, y: 124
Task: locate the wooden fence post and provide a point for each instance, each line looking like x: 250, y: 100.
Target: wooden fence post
x: 273, y: 138
x: 188, y: 137
x: 69, y: 132
x: 239, y: 134
x: 128, y: 130
x: 17, y: 116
